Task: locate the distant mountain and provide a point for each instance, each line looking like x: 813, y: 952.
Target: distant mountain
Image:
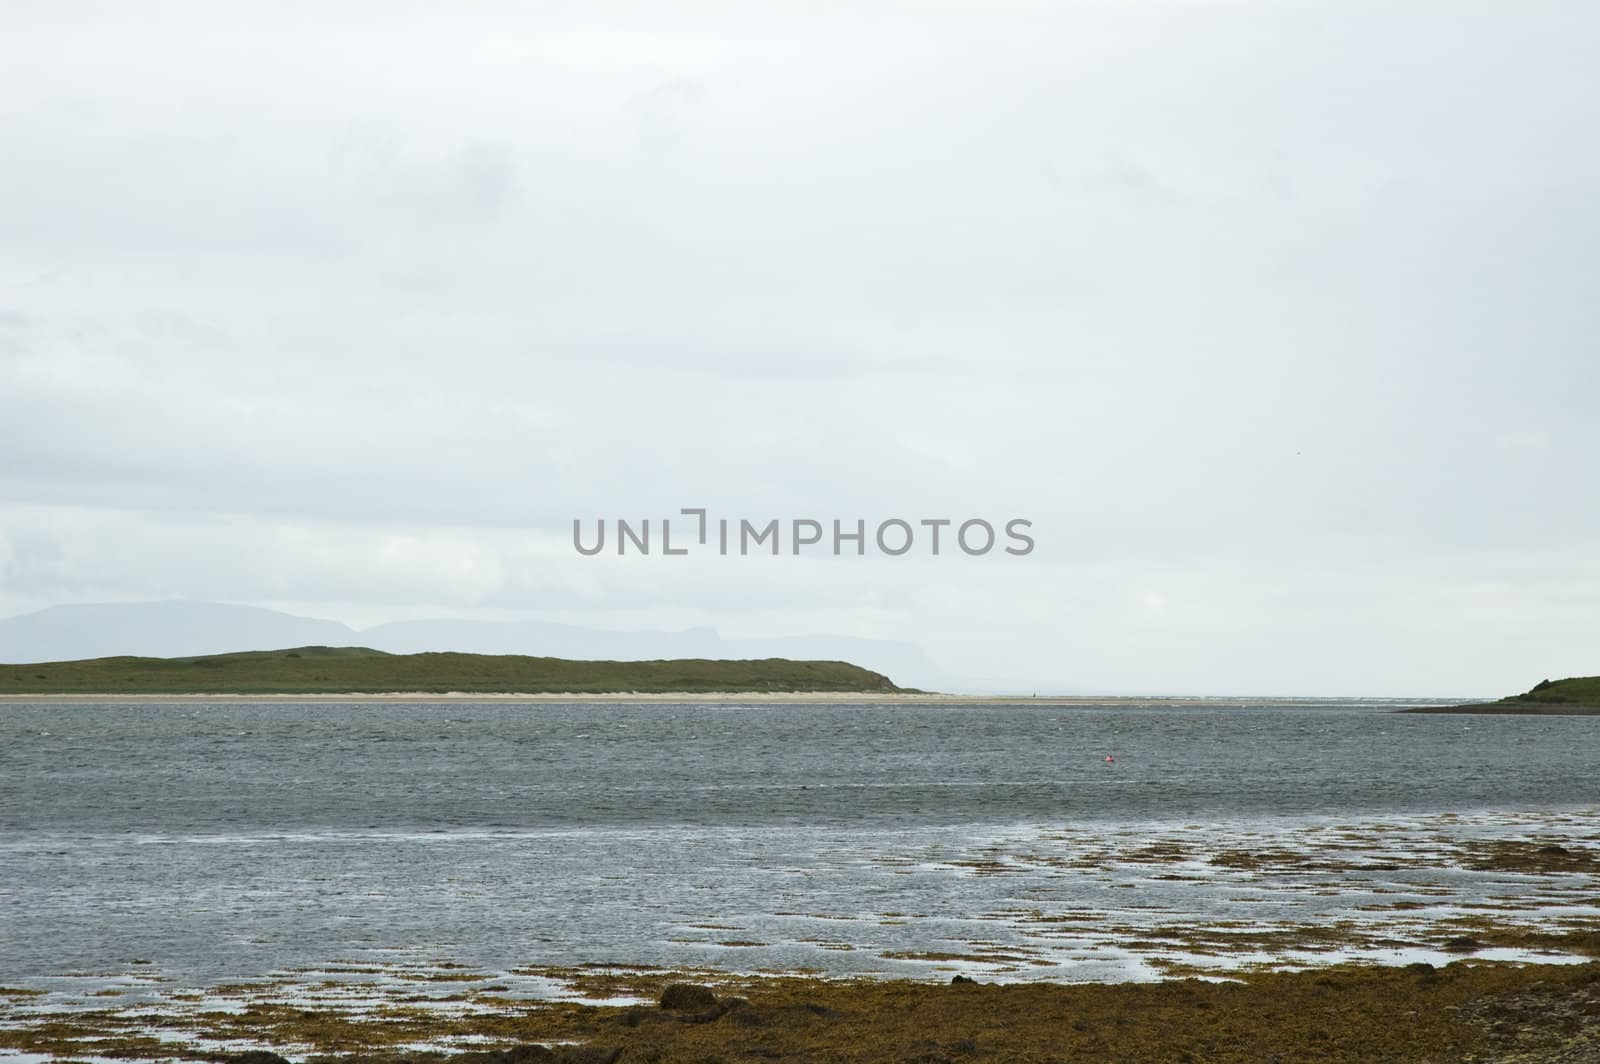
x: 158, y: 630
x: 188, y: 629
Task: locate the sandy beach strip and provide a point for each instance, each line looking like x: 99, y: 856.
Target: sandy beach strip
x: 689, y: 698
x: 645, y: 697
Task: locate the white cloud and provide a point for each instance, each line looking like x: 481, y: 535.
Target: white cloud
x: 1226, y: 297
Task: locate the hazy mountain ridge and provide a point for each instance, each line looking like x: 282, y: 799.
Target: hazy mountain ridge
x: 188, y: 629
x: 158, y: 630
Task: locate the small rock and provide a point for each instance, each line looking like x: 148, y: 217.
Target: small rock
x: 256, y: 1056
x: 525, y: 1054
x: 961, y: 980
x: 1463, y: 944
x: 688, y: 996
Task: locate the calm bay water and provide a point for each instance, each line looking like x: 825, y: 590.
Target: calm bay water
x: 225, y: 842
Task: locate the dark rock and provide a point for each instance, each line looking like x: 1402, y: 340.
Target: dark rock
x: 961, y: 980
x: 525, y: 1054
x: 1463, y: 944
x: 687, y: 996
x: 256, y: 1056
x: 675, y: 1009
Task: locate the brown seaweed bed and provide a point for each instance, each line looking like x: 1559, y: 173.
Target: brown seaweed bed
x: 1449, y: 942
x: 1467, y: 1011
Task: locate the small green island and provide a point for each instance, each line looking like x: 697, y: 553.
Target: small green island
x: 1576, y: 696
x: 360, y: 670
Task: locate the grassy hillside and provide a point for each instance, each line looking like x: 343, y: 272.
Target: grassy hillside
x: 354, y: 670
x: 1575, y: 695
x: 1575, y: 690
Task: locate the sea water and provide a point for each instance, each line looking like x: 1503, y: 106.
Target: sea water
x: 195, y: 845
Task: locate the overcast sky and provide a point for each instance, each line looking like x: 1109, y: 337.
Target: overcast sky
x: 1277, y: 319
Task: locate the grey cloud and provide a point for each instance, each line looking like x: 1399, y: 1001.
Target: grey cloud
x: 474, y: 183
x: 764, y: 360
x: 1230, y: 298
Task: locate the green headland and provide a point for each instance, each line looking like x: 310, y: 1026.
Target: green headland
x: 359, y: 670
x: 1574, y: 696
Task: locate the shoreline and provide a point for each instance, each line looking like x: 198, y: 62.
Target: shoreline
x: 1464, y: 938
x: 729, y: 697
x: 1513, y: 709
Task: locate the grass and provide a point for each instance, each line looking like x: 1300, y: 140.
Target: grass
x: 359, y: 670
x: 1577, y: 695
x: 1575, y: 690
